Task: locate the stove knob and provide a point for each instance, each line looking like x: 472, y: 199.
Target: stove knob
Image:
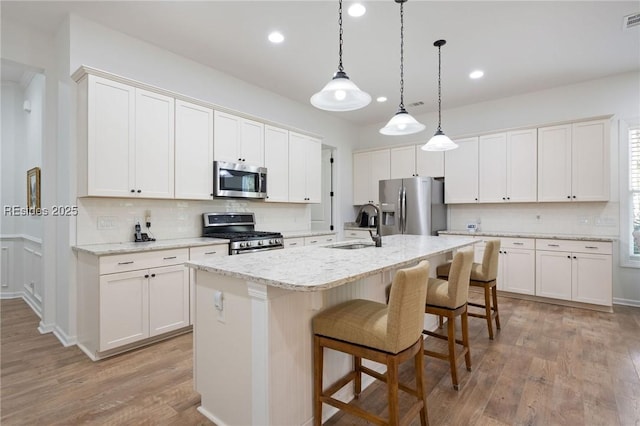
x: 248, y: 243
x: 270, y: 241
x: 260, y: 243
x: 242, y: 244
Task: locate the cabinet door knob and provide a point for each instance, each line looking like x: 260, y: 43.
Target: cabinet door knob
x: 504, y: 198
x: 146, y: 275
x: 133, y: 190
x: 574, y: 257
x: 508, y: 198
x: 139, y: 191
x: 568, y: 257
x: 568, y: 196
x: 153, y: 275
x: 574, y: 196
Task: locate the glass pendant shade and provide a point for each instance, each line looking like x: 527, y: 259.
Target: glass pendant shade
x: 402, y: 123
x: 340, y: 94
x: 439, y: 142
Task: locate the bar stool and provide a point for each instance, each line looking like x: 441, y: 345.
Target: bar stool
x: 483, y: 275
x: 449, y: 299
x: 386, y: 334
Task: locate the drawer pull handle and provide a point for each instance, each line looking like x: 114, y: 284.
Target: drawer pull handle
x: 293, y: 244
x: 211, y: 252
x: 553, y: 245
x: 518, y: 244
x: 313, y: 241
x: 126, y: 263
x: 591, y: 247
x: 169, y: 257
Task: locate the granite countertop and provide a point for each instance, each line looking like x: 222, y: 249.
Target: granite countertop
x: 307, y: 233
x: 132, y: 247
x: 530, y: 235
x: 314, y: 268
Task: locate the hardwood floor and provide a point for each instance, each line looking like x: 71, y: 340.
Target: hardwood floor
x: 549, y: 365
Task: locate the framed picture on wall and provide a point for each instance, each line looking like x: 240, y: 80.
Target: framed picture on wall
x: 33, y: 188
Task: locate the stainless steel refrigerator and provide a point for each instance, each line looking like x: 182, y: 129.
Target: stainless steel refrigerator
x: 412, y: 206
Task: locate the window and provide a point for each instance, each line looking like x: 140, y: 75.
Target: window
x: 634, y: 191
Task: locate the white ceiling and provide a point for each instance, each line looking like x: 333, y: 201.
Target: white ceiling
x: 522, y: 46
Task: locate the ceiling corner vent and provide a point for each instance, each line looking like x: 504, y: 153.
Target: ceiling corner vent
x: 416, y: 104
x: 631, y: 21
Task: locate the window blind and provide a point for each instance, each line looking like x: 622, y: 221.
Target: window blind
x: 634, y: 186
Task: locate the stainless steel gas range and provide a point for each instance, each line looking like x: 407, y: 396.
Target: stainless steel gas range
x: 239, y: 229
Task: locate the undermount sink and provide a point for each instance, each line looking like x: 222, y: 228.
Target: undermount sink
x: 351, y: 246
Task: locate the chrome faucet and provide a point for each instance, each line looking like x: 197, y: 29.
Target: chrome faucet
x: 377, y: 238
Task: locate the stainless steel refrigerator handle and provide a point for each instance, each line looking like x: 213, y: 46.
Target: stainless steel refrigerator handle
x: 404, y: 210
x: 400, y: 210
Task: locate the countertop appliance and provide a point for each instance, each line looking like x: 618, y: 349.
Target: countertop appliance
x: 412, y: 206
x: 239, y: 229
x: 239, y: 180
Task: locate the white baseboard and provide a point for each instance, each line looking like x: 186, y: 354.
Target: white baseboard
x: 64, y: 338
x: 210, y: 416
x: 626, y: 302
x: 11, y: 295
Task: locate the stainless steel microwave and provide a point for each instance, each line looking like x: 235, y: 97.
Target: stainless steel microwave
x: 239, y: 180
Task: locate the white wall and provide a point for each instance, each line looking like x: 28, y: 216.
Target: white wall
x: 617, y: 95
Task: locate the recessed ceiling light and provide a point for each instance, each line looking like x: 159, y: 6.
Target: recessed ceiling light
x: 356, y: 10
x: 276, y: 37
x: 381, y: 99
x: 476, y: 74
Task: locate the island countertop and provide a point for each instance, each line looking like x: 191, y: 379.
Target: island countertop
x: 315, y: 268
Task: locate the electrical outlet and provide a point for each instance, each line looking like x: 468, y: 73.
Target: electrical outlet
x: 538, y: 218
x: 107, y: 222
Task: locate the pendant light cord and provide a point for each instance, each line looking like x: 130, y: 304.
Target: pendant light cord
x: 340, y: 67
x: 401, y: 56
x: 439, y: 93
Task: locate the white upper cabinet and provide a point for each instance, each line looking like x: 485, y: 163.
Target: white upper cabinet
x: 461, y: 172
x: 305, y: 174
x: 129, y: 141
x: 194, y: 151
x: 590, y: 161
x: 106, y: 123
x: 492, y: 168
x: 409, y: 161
x: 554, y: 163
x: 429, y: 163
x: 507, y: 167
x: 403, y: 162
x: 573, y: 162
x: 237, y: 139
x: 369, y: 168
x: 276, y: 160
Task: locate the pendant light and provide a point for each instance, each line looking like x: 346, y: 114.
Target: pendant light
x: 340, y: 94
x: 402, y: 123
x: 439, y: 141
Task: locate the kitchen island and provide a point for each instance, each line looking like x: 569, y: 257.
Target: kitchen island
x: 252, y: 329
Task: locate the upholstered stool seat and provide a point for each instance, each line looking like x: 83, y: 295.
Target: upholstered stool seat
x: 483, y: 275
x: 387, y: 334
x: 449, y: 299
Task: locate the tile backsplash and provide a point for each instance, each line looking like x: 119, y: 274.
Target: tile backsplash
x: 112, y: 220
x: 597, y: 218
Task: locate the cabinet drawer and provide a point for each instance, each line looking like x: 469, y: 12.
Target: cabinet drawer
x: 350, y: 233
x: 205, y: 252
x: 134, y: 261
x: 521, y: 243
x: 319, y: 239
x: 293, y: 242
x: 596, y: 247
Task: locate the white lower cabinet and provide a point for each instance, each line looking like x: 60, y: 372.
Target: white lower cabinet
x: 308, y: 241
x: 516, y: 264
x: 356, y: 234
x: 126, y: 298
x: 580, y: 271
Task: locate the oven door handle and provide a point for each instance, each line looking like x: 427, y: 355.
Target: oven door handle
x: 239, y: 251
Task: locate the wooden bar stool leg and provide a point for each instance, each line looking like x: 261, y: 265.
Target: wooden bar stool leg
x: 487, y: 309
x: 392, y: 384
x: 357, y: 383
x: 318, y: 365
x: 440, y: 321
x: 451, y: 331
x: 494, y: 292
x: 465, y: 338
x: 419, y: 367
